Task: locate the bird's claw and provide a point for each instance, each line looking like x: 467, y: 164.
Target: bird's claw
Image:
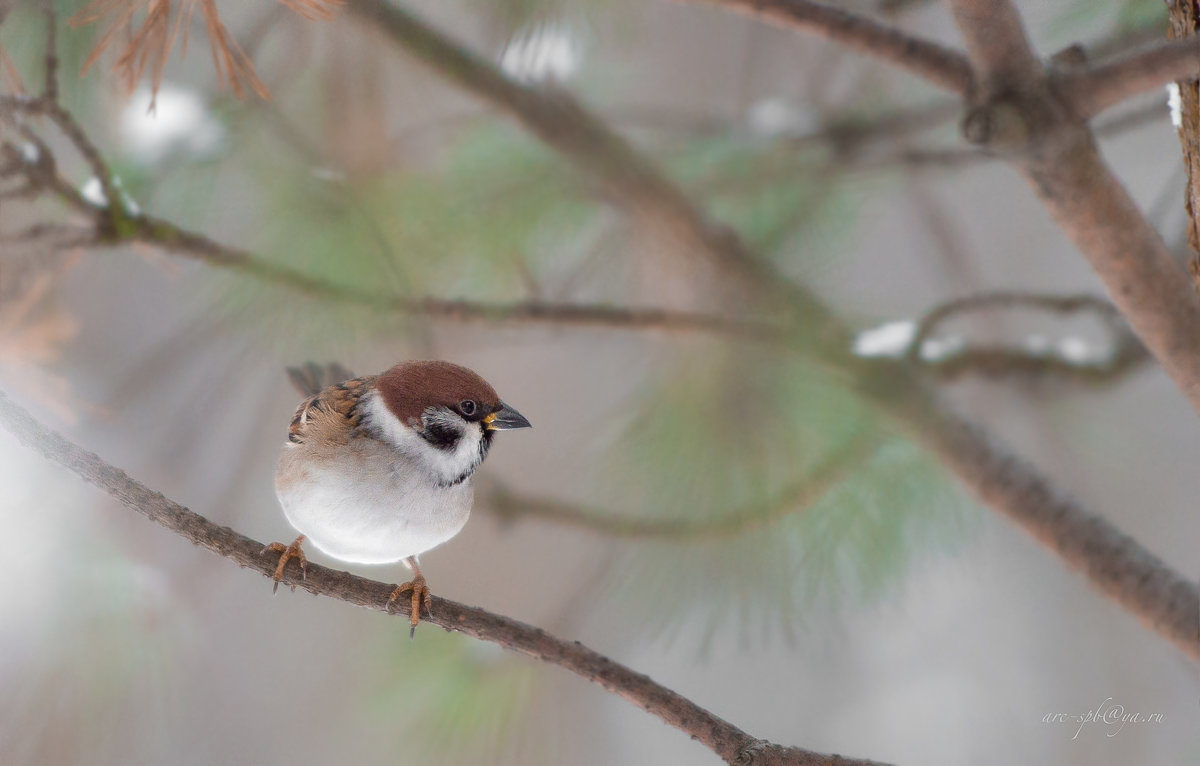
x: 286, y: 554
x: 420, y: 596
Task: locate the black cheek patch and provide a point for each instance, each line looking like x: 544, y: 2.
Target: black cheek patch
x: 441, y: 436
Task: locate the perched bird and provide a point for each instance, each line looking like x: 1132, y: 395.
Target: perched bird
x: 378, y: 469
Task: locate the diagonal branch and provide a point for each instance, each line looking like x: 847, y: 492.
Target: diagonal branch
x: 723, y: 738
x: 1114, y: 563
x: 940, y: 66
x: 629, y: 179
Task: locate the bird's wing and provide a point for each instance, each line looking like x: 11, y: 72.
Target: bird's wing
x: 333, y: 413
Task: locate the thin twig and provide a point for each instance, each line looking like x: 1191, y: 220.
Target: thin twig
x: 1126, y: 353
x: 163, y: 234
x: 50, y: 90
x: 718, y: 735
x: 1006, y: 363
x: 66, y: 122
x: 796, y: 498
x: 1006, y: 299
x: 944, y: 67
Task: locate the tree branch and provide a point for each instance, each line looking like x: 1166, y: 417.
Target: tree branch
x: 1125, y: 353
x: 723, y: 738
x: 796, y: 498
x: 1141, y: 274
x: 1099, y: 86
x: 996, y: 43
x: 630, y: 180
x: 940, y: 66
x: 169, y: 237
x: 1114, y: 563
x: 41, y: 173
x: 50, y: 88
x: 1018, y: 112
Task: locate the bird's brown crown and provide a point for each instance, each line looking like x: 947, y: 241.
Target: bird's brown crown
x: 409, y: 388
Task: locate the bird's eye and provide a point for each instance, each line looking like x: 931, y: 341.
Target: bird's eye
x: 467, y: 407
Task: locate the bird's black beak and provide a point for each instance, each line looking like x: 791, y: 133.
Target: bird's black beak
x: 505, y: 419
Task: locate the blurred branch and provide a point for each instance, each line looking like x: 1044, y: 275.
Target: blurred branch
x: 718, y: 735
x: 629, y: 179
x: 997, y: 47
x: 1125, y: 355
x: 1001, y: 362
x: 1095, y: 88
x: 39, y: 169
x: 954, y: 158
x: 42, y: 168
x: 50, y: 89
x: 174, y: 239
x: 944, y: 67
x: 1018, y: 111
x: 1114, y: 563
x: 797, y: 497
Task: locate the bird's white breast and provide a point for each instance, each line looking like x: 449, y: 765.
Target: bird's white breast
x: 371, y: 502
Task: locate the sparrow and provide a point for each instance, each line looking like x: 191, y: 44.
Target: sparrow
x: 378, y: 469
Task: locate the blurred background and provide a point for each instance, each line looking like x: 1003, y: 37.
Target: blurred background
x: 885, y: 617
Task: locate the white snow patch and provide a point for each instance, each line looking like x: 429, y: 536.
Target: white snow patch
x: 30, y: 153
x: 1076, y: 350
x: 93, y: 193
x: 1174, y: 104
x: 179, y: 121
x: 775, y: 117
x: 540, y: 53
x: 937, y: 349
x: 890, y: 339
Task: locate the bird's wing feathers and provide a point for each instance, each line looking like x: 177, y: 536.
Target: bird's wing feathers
x: 333, y: 413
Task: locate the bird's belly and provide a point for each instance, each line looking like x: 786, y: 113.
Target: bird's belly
x: 367, y: 520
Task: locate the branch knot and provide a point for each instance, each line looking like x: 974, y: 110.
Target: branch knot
x: 749, y: 753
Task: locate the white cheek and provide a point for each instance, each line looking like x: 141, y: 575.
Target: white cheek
x: 447, y: 466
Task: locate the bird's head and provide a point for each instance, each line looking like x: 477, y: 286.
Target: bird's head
x: 451, y: 410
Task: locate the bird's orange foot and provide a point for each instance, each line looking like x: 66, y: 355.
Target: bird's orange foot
x: 420, y: 595
x: 286, y: 554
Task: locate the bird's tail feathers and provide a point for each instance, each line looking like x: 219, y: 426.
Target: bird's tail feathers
x: 311, y: 378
